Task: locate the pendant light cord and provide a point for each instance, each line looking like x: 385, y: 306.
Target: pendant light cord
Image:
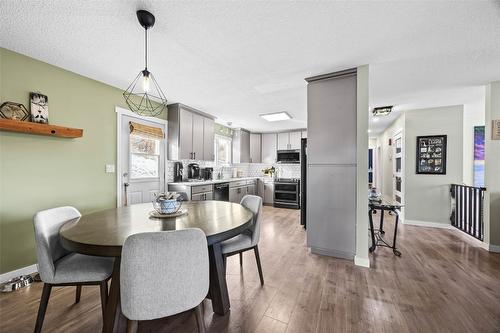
x: 146, y: 47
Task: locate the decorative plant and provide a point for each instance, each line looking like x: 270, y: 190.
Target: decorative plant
x: 269, y: 171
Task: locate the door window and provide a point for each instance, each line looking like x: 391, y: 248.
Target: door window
x: 144, y: 156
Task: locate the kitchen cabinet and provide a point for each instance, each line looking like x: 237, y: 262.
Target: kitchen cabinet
x: 289, y: 140
x: 202, y: 196
x: 255, y: 148
x: 237, y: 193
x: 269, y: 145
x: 208, y: 139
x: 190, y: 134
x: 268, y: 192
x: 241, y: 146
x: 252, y: 187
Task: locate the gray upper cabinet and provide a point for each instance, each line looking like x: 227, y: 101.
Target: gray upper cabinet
x: 189, y: 132
x: 241, y: 146
x: 331, y: 106
x: 255, y: 144
x: 283, y: 141
x: 295, y: 138
x: 289, y: 140
x: 269, y: 146
x: 208, y: 139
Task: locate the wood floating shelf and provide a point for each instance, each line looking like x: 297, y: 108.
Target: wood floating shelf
x: 39, y: 129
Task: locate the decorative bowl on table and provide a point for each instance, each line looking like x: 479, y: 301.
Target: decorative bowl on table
x: 167, y: 203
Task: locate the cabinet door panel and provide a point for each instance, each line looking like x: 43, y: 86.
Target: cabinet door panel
x: 245, y: 147
x: 331, y: 121
x: 233, y: 195
x: 197, y: 136
x: 208, y: 139
x: 268, y: 148
x: 283, y: 141
x: 255, y: 154
x: 331, y: 215
x: 295, y: 138
x: 269, y: 193
x: 185, y: 134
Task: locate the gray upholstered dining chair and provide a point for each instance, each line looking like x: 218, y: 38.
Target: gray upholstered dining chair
x: 59, y: 267
x: 162, y: 274
x: 249, y: 239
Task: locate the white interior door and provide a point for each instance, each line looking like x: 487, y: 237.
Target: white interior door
x: 398, y: 168
x: 142, y: 162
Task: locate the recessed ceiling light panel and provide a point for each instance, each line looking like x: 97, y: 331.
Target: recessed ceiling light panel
x: 276, y: 116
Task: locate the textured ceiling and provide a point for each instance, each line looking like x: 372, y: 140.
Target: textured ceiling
x: 237, y: 60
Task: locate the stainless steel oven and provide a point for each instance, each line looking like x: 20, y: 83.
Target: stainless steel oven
x: 287, y: 193
x: 288, y: 156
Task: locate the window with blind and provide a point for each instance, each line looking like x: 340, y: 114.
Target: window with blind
x: 145, y: 145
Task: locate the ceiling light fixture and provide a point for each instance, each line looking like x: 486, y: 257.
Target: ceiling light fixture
x: 146, y: 98
x: 276, y: 116
x: 382, y: 110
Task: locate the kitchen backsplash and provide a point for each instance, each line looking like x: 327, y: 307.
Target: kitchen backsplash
x: 248, y: 169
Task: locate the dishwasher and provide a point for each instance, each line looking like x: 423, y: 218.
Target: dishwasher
x: 221, y: 192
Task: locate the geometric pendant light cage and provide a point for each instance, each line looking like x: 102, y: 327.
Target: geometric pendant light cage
x: 144, y: 96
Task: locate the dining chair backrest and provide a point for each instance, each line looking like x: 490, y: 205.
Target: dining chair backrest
x: 163, y: 273
x: 48, y: 244
x: 254, y: 204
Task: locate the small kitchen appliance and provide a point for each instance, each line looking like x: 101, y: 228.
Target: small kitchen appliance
x: 207, y: 173
x: 193, y: 171
x: 178, y: 171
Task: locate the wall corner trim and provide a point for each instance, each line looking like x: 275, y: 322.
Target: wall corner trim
x: 15, y: 273
x: 360, y: 261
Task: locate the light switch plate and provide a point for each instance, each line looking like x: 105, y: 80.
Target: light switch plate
x: 110, y: 168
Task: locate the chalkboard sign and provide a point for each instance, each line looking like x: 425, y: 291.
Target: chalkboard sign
x: 431, y: 155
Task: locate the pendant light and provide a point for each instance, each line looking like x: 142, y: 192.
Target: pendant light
x: 144, y: 96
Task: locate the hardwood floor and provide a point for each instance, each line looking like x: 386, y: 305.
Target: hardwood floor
x: 440, y: 284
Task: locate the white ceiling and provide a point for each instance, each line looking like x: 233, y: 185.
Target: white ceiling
x: 237, y: 60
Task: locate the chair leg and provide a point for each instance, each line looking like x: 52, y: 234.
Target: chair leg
x: 44, y: 301
x: 241, y: 259
x: 199, y: 318
x: 104, y: 296
x: 132, y: 326
x: 257, y: 258
x: 78, y: 293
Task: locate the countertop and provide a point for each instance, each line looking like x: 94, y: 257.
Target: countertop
x: 218, y: 181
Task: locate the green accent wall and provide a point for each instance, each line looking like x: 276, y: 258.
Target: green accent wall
x: 39, y: 172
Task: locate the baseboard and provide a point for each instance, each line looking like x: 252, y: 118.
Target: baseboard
x: 494, y: 248
x: 21, y: 271
x: 360, y: 261
x: 332, y: 253
x: 428, y: 224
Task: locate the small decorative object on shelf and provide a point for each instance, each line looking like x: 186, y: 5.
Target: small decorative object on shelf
x: 39, y: 106
x: 14, y: 111
x: 431, y: 155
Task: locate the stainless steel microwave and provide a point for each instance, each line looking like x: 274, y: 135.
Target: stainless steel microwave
x: 288, y: 156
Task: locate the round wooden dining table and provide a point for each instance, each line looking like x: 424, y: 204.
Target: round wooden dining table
x: 104, y: 233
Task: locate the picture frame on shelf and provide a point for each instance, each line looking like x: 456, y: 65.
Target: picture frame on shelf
x: 39, y: 108
x: 14, y: 111
x: 431, y: 155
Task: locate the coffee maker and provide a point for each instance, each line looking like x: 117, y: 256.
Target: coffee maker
x: 193, y: 171
x: 178, y: 171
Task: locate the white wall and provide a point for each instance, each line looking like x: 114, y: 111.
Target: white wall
x: 492, y: 167
x: 473, y: 116
x: 427, y: 197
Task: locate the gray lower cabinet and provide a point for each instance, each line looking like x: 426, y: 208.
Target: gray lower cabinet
x: 268, y: 193
x: 236, y: 194
x: 202, y: 196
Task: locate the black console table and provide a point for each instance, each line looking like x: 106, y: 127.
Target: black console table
x: 383, y: 205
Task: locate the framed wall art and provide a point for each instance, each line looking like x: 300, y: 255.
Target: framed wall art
x: 431, y: 155
x: 39, y: 107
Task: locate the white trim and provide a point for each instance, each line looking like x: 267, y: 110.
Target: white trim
x: 21, y: 271
x: 120, y: 112
x: 427, y: 224
x: 494, y: 248
x: 360, y: 261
